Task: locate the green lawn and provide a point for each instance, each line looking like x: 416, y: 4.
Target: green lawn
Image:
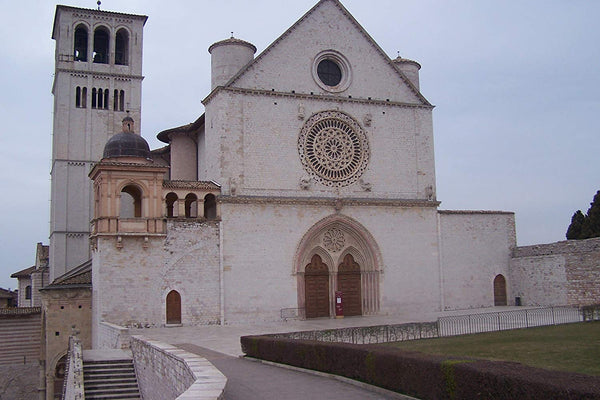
x: 569, y: 347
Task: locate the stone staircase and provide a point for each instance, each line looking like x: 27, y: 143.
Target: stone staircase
x: 110, y: 380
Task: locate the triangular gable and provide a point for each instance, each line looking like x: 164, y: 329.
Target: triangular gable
x: 244, y: 77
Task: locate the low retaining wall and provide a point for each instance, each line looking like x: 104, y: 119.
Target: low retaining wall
x: 368, y: 334
x: 73, y: 384
x: 113, y: 336
x: 165, y: 372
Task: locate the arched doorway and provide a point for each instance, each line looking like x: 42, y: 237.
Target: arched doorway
x: 173, y: 307
x: 59, y: 377
x: 352, y: 255
x: 316, y: 288
x: 500, y: 291
x: 350, y: 286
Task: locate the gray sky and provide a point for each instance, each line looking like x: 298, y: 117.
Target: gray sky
x: 516, y: 86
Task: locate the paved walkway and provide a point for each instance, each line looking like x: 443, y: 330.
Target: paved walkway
x: 226, y: 338
x: 248, y: 380
x: 252, y: 380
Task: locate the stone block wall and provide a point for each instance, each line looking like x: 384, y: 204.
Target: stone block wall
x: 166, y: 372
x: 475, y: 247
x: 111, y: 336
x: 561, y: 273
x: 185, y: 260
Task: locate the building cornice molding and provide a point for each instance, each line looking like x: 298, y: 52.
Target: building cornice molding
x: 179, y: 184
x: 99, y: 74
x: 474, y: 212
x: 323, y: 97
x: 337, y: 203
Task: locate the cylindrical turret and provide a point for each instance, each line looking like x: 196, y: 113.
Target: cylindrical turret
x: 409, y: 68
x: 227, y: 58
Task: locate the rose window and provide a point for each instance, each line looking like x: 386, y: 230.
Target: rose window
x: 333, y: 148
x: 334, y: 239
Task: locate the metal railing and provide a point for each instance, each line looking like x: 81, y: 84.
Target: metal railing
x: 504, y: 320
x: 368, y: 334
x: 444, y: 326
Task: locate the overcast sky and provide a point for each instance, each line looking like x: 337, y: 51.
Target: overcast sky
x: 515, y: 83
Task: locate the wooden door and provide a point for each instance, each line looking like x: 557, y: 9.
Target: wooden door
x: 316, y: 288
x: 500, y: 291
x: 173, y: 307
x: 350, y: 286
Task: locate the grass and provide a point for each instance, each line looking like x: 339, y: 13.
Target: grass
x: 569, y: 347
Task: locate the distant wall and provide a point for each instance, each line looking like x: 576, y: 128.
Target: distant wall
x: 475, y: 247
x: 561, y: 273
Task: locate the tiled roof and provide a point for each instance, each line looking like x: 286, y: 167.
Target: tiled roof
x: 77, y: 277
x: 25, y: 273
x: 6, y: 294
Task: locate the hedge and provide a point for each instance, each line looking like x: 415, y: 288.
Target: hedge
x: 422, y: 375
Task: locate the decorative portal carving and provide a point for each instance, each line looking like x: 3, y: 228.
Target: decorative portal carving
x: 333, y: 148
x: 334, y: 239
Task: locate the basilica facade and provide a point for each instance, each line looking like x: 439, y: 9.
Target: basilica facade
x: 305, y: 176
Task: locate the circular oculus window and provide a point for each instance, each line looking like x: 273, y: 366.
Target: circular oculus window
x: 333, y: 148
x: 331, y: 71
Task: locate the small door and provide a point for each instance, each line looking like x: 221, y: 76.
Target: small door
x: 173, y: 307
x: 316, y: 288
x: 500, y: 291
x: 349, y: 285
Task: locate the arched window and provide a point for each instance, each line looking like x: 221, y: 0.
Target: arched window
x: 94, y: 98
x: 78, y: 97
x: 80, y: 48
x: 122, y: 47
x: 118, y: 100
x: 84, y: 97
x: 28, y: 292
x: 122, y: 100
x: 101, y: 45
x: 173, y: 307
x: 131, y: 202
x: 191, y: 206
x: 105, y: 99
x: 210, y: 206
x: 171, y: 201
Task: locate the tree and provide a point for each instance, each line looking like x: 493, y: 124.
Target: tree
x: 586, y: 226
x: 593, y: 216
x: 577, y: 221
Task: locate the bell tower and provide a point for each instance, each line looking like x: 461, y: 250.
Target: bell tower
x: 97, y: 80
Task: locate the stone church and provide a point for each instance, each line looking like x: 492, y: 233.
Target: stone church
x: 306, y: 177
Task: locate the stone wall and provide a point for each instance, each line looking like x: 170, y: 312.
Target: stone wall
x: 475, y: 247
x: 20, y: 336
x: 166, y: 372
x: 111, y: 336
x: 185, y: 260
x: 561, y: 273
x: 19, y: 381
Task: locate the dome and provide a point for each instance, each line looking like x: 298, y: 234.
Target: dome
x: 127, y: 144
